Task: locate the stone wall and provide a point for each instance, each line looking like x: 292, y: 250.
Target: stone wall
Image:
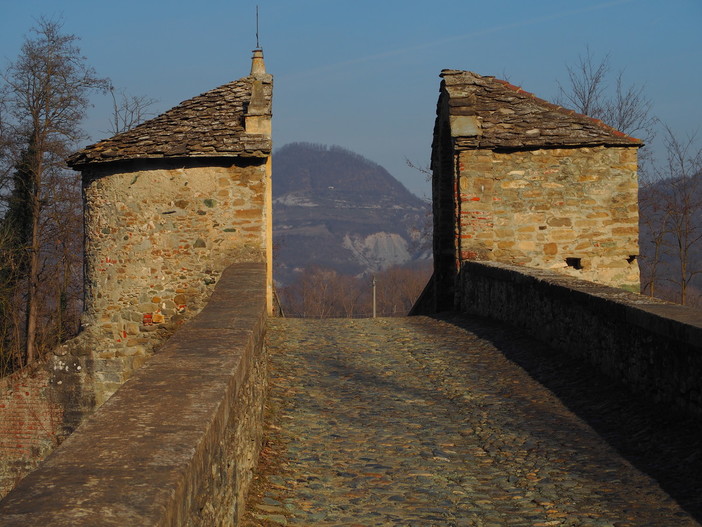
x: 177, y: 443
x: 573, y: 210
x: 157, y: 238
x: 40, y: 406
x: 29, y: 424
x: 652, y: 346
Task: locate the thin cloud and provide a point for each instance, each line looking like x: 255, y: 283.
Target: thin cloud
x: 458, y: 38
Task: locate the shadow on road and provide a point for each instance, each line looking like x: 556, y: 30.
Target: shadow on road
x: 664, y: 445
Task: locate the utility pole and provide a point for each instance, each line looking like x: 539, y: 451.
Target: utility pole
x: 373, y: 282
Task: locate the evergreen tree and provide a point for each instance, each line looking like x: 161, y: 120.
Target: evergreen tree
x: 15, y: 238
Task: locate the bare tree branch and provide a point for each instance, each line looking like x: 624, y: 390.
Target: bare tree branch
x: 683, y: 207
x: 128, y: 111
x: 623, y: 107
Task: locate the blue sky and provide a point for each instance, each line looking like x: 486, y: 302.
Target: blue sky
x: 365, y: 74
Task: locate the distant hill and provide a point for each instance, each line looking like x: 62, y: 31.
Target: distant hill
x: 336, y: 209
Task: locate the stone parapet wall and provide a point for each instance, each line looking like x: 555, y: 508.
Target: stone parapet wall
x: 573, y: 210
x: 178, y: 442
x: 652, y: 346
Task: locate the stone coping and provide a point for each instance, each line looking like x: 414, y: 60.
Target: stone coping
x: 141, y: 458
x: 651, y: 346
x: 651, y: 314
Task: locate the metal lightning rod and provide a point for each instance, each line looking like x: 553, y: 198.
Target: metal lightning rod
x: 258, y: 45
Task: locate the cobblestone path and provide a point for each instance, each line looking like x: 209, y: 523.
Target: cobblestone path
x: 421, y: 422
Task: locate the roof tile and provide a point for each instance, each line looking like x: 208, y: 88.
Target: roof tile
x: 209, y: 125
x: 513, y: 118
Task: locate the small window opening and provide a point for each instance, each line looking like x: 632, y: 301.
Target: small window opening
x: 631, y: 259
x: 575, y: 263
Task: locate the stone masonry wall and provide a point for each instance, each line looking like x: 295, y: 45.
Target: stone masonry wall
x: 40, y: 406
x: 652, y: 346
x: 573, y: 210
x: 29, y: 424
x: 178, y: 442
x: 156, y: 241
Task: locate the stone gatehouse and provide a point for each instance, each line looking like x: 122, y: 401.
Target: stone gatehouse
x: 519, y: 180
x: 168, y: 205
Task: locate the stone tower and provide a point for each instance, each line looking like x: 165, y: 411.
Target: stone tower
x: 168, y: 205
x: 519, y: 180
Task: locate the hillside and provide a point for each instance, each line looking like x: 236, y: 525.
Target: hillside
x: 334, y: 208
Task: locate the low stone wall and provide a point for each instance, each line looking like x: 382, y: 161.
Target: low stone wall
x: 178, y: 442
x: 652, y: 346
x: 40, y: 406
x: 29, y: 423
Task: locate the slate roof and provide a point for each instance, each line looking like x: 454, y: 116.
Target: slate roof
x: 209, y: 125
x: 508, y: 117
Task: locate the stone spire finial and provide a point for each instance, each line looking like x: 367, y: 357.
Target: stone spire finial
x: 258, y: 112
x: 258, y: 67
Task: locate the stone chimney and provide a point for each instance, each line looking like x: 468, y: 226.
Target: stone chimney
x: 258, y: 115
x: 258, y: 66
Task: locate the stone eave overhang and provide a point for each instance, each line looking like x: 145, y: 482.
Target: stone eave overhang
x: 262, y: 151
x: 469, y: 143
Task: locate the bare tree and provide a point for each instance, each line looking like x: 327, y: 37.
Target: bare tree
x: 349, y: 295
x: 668, y: 196
x: 652, y: 234
x: 5, y: 144
x: 128, y: 110
x: 629, y: 110
x: 683, y: 208
x: 321, y: 293
x: 399, y: 287
x: 587, y: 82
x: 312, y: 294
x: 590, y: 91
x: 46, y: 92
x: 425, y: 170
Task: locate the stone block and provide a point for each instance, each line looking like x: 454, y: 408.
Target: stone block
x: 517, y: 183
x: 526, y: 245
x: 550, y: 249
x: 562, y: 235
x: 504, y: 234
x: 559, y: 222
x: 623, y: 231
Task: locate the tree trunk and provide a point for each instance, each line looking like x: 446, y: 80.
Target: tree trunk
x: 33, y: 285
x: 34, y: 249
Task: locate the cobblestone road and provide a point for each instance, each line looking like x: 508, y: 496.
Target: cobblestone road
x: 420, y: 422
